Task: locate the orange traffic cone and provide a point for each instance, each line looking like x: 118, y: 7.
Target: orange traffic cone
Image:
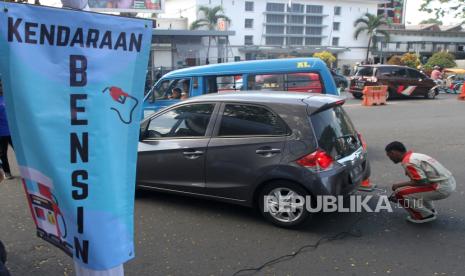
x: 366, y: 186
x: 462, y: 95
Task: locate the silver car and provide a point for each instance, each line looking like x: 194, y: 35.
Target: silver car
x: 246, y: 147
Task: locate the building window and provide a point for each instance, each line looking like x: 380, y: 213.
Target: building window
x: 314, y: 9
x: 337, y: 10
x: 314, y: 20
x: 295, y: 19
x: 249, y: 56
x: 423, y: 46
x: 274, y: 40
x: 335, y: 41
x: 298, y: 8
x: 314, y: 30
x: 295, y: 30
x: 248, y: 40
x: 275, y: 7
x: 275, y: 29
x: 275, y: 18
x: 383, y: 45
x: 336, y: 26
x: 460, y: 48
x: 313, y: 41
x: 249, y: 6
x: 248, y: 24
x: 397, y: 45
x: 295, y: 41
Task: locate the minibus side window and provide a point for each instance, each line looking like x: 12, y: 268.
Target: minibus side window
x: 230, y: 83
x: 176, y: 89
x: 295, y: 82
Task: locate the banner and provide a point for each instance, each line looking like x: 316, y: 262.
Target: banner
x: 144, y: 6
x: 73, y: 84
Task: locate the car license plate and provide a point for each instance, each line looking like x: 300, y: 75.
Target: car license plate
x: 359, y: 84
x: 355, y: 172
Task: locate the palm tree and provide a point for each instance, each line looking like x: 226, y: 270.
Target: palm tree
x: 370, y: 24
x: 209, y: 21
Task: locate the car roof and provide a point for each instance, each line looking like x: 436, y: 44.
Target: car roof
x: 314, y: 101
x: 262, y: 66
x: 383, y: 65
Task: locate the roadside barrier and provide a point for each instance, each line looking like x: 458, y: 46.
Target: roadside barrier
x: 366, y: 186
x: 374, y: 95
x: 462, y: 95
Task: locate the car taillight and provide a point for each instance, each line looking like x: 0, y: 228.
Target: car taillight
x: 318, y: 160
x: 364, y: 144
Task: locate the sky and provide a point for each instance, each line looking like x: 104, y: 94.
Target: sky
x: 413, y: 16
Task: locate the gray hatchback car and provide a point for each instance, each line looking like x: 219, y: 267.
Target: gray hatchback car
x: 253, y: 148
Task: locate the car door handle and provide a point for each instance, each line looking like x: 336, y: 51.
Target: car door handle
x: 267, y: 151
x: 193, y: 154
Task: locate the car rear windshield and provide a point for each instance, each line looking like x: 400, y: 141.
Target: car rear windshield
x: 365, y: 71
x: 335, y: 132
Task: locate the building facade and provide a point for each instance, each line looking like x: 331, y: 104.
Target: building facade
x: 424, y: 40
x: 283, y: 28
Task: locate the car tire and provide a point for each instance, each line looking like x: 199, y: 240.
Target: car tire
x: 357, y: 96
x: 286, y: 219
x: 431, y: 94
x: 2, y: 253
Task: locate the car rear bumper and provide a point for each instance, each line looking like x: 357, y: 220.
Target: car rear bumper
x: 345, y: 178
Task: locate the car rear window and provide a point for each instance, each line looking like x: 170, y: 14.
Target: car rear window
x: 365, y: 71
x: 335, y: 132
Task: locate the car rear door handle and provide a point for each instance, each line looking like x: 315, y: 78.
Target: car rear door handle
x: 267, y: 151
x: 193, y: 154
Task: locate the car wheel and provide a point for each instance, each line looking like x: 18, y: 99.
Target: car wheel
x: 431, y: 94
x: 283, y: 204
x: 357, y: 95
x: 2, y: 253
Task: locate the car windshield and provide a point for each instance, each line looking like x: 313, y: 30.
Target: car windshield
x: 335, y: 132
x: 365, y: 71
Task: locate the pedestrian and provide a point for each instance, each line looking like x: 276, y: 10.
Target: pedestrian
x: 5, y: 138
x: 429, y: 181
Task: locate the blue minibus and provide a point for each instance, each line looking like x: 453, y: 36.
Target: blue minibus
x: 294, y: 74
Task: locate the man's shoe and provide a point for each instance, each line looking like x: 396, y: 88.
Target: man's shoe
x: 423, y: 220
x: 8, y: 176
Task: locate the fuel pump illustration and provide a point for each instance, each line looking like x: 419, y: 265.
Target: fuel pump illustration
x: 49, y: 220
x: 124, y: 108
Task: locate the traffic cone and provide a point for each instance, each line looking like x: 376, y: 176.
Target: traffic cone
x: 366, y: 186
x: 462, y: 95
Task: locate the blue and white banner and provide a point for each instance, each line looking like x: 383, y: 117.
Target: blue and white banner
x: 73, y: 84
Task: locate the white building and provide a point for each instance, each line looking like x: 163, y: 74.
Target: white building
x: 273, y: 28
x: 423, y: 40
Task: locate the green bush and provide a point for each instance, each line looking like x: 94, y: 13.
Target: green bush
x: 442, y: 59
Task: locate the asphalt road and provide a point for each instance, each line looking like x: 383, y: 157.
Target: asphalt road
x: 176, y: 235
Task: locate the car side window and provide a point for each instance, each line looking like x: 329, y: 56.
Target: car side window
x: 250, y: 120
x: 414, y: 74
x: 399, y: 72
x: 181, y: 122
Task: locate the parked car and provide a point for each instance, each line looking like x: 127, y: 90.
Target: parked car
x: 340, y: 80
x: 242, y: 146
x: 402, y: 81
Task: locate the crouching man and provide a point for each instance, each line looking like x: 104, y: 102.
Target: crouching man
x: 429, y: 181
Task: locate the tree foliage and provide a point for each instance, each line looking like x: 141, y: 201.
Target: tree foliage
x: 442, y: 59
x: 431, y: 21
x: 210, y: 18
x: 441, y: 8
x: 370, y: 24
x: 325, y: 56
x: 411, y: 60
x: 395, y: 60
